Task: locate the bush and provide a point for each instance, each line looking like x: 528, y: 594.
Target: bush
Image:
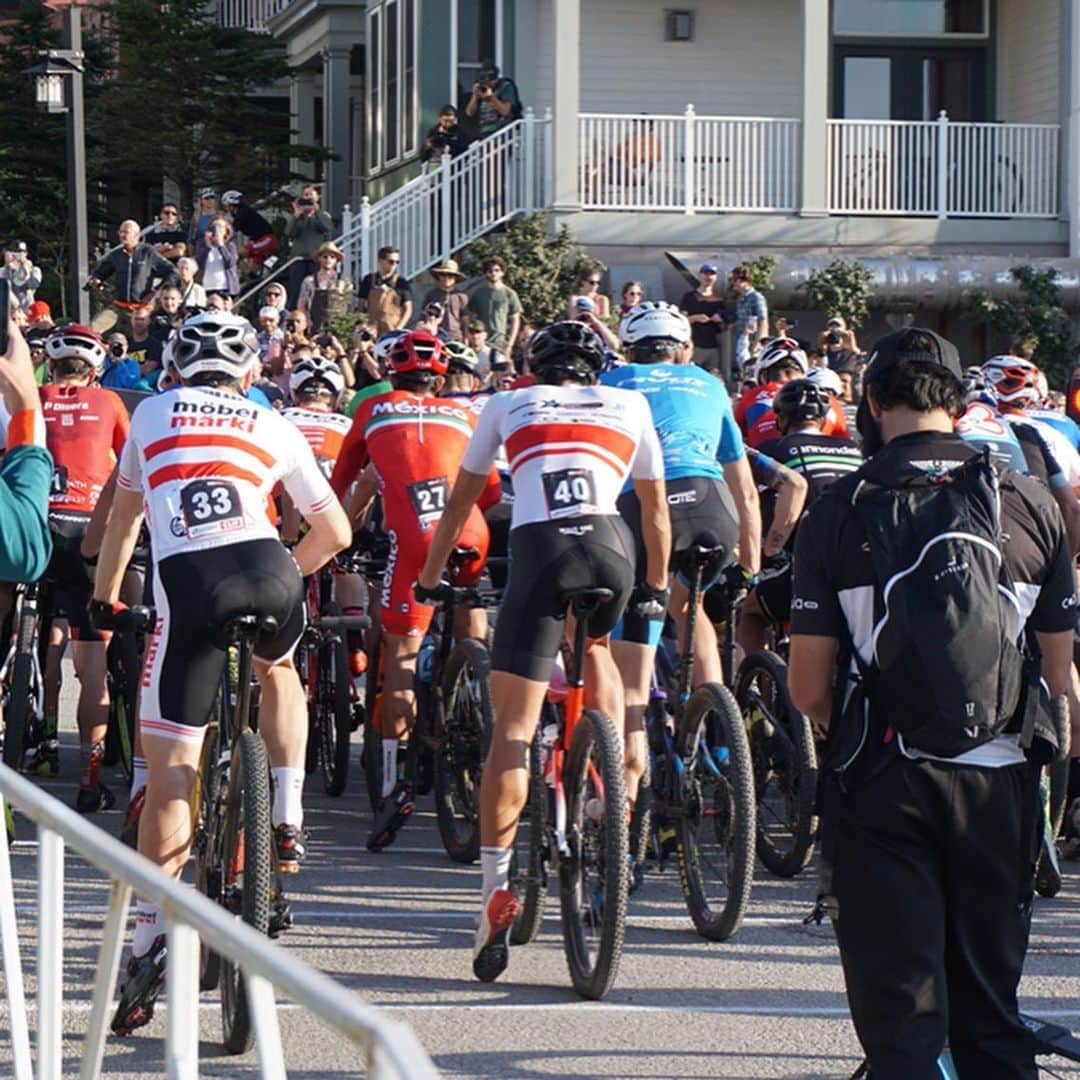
x: 842, y: 288
x: 542, y: 269
x: 1037, y: 316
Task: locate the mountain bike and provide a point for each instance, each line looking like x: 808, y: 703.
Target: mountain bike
x: 700, y: 791
x: 122, y: 679
x: 575, y: 823
x: 21, y: 676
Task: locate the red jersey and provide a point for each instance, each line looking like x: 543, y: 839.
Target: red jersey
x: 754, y: 415
x: 324, y: 430
x: 85, y: 429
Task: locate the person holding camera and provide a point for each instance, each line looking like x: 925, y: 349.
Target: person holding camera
x: 837, y: 344
x: 205, y: 212
x: 121, y: 372
x: 217, y: 258
x: 494, y: 101
x: 365, y: 366
x: 21, y: 274
x: 446, y: 137
x: 308, y: 230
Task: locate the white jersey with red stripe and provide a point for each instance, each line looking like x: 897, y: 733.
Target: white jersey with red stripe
x: 325, y: 431
x: 570, y: 448
x: 207, y: 461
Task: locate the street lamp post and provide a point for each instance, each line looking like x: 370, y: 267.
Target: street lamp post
x: 58, y: 88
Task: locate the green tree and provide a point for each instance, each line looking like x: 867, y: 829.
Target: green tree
x: 542, y: 269
x: 1037, y: 316
x: 844, y: 288
x: 183, y: 100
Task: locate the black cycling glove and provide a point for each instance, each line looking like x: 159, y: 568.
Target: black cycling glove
x: 439, y: 595
x: 647, y: 602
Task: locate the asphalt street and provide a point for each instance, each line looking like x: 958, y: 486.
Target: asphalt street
x: 396, y: 929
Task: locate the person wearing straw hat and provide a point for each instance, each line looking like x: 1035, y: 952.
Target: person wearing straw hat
x: 448, y: 277
x: 321, y: 292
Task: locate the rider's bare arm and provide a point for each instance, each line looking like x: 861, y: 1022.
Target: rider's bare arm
x: 738, y: 477
x: 655, y: 530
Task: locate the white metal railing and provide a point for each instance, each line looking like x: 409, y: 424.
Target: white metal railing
x: 388, y: 1049
x: 436, y: 214
x: 249, y: 14
x: 943, y: 169
x: 688, y: 162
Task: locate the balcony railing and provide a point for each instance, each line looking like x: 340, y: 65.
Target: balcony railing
x: 249, y: 14
x: 688, y: 162
x: 721, y: 164
x: 943, y: 169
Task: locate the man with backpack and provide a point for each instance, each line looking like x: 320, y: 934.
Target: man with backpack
x: 944, y: 587
x: 494, y: 101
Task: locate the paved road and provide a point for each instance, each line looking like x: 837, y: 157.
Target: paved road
x: 396, y: 928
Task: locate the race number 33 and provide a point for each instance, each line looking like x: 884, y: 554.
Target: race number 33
x: 569, y: 491
x: 211, y: 506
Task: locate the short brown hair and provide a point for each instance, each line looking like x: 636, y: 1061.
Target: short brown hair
x: 494, y: 261
x: 741, y: 273
x: 388, y: 250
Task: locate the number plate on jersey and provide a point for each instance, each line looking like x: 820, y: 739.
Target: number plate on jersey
x: 429, y: 499
x: 570, y: 492
x: 211, y: 506
x: 58, y: 485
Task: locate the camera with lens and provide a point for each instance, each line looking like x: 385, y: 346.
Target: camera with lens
x: 116, y: 348
x: 306, y: 201
x: 833, y: 337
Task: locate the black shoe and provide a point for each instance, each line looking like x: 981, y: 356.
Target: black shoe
x: 90, y: 801
x: 396, y: 807
x: 145, y: 978
x: 290, y: 843
x: 43, y: 760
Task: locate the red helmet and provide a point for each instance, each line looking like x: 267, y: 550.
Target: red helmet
x: 418, y: 351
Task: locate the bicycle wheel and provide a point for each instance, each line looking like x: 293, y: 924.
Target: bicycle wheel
x: 784, y: 764
x: 246, y: 890
x: 593, y: 880
x: 463, y: 746
x: 20, y: 706
x: 716, y: 822
x: 372, y: 738
x: 528, y: 875
x: 207, y: 841
x: 333, y: 711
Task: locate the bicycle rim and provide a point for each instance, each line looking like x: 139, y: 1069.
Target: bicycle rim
x: 247, y: 878
x: 18, y: 709
x: 208, y: 843
x: 463, y: 746
x: 593, y: 881
x: 716, y: 821
x: 528, y: 876
x: 333, y: 713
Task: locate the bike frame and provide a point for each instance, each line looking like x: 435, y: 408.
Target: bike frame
x: 27, y: 604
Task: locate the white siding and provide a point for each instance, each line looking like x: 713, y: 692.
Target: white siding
x: 1028, y: 61
x: 744, y: 59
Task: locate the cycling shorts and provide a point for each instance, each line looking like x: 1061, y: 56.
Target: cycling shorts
x: 400, y: 612
x: 70, y: 579
x: 195, y: 593
x: 773, y: 593
x: 548, y: 560
x: 702, y: 512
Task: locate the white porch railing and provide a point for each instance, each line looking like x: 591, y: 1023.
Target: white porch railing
x: 696, y: 164
x: 249, y: 14
x: 386, y: 1050
x: 943, y: 169
x: 436, y: 214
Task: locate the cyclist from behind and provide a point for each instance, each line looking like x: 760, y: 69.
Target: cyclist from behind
x: 802, y: 409
x: 711, y: 497
x: 571, y: 444
x: 204, y: 461
x: 414, y: 443
x: 85, y: 429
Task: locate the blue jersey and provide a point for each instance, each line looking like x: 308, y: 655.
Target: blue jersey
x: 1059, y: 422
x: 984, y: 427
x: 691, y: 412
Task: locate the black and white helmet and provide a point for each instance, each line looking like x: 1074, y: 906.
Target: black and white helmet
x: 825, y: 379
x: 316, y: 369
x: 653, y: 320
x: 215, y: 341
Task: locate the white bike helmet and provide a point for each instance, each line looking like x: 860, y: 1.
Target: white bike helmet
x: 825, y: 379
x: 232, y: 197
x: 653, y: 319
x: 385, y: 343
x: 1012, y: 379
x: 316, y: 369
x: 215, y: 341
x: 76, y: 342
x: 778, y: 350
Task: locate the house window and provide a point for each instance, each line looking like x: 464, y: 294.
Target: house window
x: 912, y: 18
x: 392, y: 83
x: 678, y: 25
x: 476, y: 41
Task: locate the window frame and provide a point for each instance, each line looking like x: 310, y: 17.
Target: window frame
x: 895, y: 35
x: 405, y: 138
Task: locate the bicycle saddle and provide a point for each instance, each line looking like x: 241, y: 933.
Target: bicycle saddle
x: 584, y: 601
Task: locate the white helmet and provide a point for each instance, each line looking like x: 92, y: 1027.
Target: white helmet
x: 316, y: 368
x: 76, y: 342
x: 1012, y: 380
x: 779, y: 349
x: 653, y: 319
x: 825, y: 379
x: 385, y: 343
x: 231, y: 197
x: 215, y: 341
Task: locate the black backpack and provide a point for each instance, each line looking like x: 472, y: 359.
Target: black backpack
x: 947, y: 671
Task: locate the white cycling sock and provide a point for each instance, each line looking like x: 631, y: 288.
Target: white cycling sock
x: 495, y: 864
x: 288, y: 808
x: 389, y: 765
x: 138, y: 774
x: 149, y: 922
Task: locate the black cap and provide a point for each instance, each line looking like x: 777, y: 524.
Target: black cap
x: 914, y: 343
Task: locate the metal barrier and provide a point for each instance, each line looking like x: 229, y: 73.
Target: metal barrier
x: 441, y: 211
x: 390, y: 1050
